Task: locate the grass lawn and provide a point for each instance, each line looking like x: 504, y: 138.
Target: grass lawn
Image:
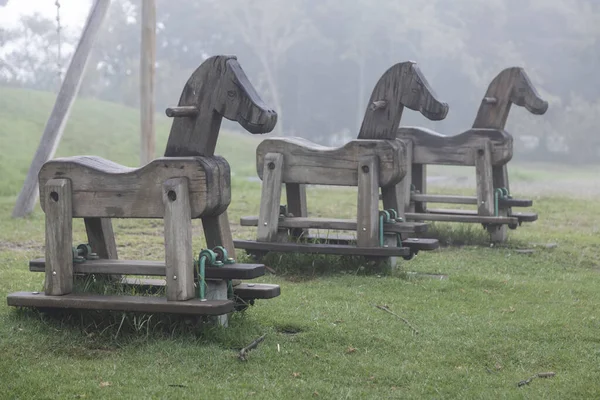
x: 499, y: 316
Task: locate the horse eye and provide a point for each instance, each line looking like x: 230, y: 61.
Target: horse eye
x: 231, y: 93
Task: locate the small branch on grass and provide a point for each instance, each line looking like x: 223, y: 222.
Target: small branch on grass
x: 384, y: 308
x: 253, y: 345
x: 538, y: 375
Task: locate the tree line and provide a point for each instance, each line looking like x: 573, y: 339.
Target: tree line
x: 316, y: 61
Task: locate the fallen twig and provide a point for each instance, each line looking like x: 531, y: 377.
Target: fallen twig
x: 384, y: 308
x: 253, y: 345
x: 538, y: 375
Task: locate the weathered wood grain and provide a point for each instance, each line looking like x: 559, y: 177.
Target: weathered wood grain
x: 101, y: 237
x: 336, y: 224
x: 56, y: 196
x: 419, y: 182
x: 441, y: 198
x: 217, y: 232
x: 270, y: 197
x: 521, y: 216
x: 243, y: 291
x: 478, y: 219
x: 430, y: 147
x: 483, y: 179
x: 216, y: 290
x: 295, y: 194
x: 309, y: 163
x: 367, y: 219
x: 154, y: 268
x: 145, y: 304
x: 102, y: 188
x: 402, y: 85
x: 315, y: 248
x: 510, y: 86
x: 218, y: 88
x: 452, y: 199
x: 415, y: 244
x: 397, y: 197
x: 179, y: 258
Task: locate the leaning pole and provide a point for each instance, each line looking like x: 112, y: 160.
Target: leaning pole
x: 60, y: 113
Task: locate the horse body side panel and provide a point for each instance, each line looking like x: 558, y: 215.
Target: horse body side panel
x: 308, y: 163
x: 137, y: 193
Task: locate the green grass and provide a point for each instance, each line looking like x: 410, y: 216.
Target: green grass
x: 500, y: 316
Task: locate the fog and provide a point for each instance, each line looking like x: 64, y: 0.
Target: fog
x: 316, y: 61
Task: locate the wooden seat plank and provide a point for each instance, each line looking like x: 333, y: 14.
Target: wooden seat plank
x: 322, y: 248
x: 154, y: 268
x: 148, y: 304
x: 337, y: 224
x: 463, y: 217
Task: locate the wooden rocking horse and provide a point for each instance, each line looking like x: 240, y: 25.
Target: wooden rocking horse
x: 375, y: 160
x: 189, y: 182
x: 487, y: 146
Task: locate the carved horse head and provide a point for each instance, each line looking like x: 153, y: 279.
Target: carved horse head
x: 512, y: 85
x: 218, y: 88
x: 403, y: 85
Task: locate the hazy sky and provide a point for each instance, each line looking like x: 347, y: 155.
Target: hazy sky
x: 72, y: 12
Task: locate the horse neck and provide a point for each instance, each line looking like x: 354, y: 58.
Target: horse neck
x: 197, y: 136
x: 495, y: 106
x: 192, y: 137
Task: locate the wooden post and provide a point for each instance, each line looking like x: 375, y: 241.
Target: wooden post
x: 398, y: 196
x: 268, y: 217
x: 419, y: 180
x: 59, y: 237
x: 147, y: 61
x: 101, y: 237
x: 367, y: 227
x: 499, y: 233
x: 62, y: 107
x: 179, y: 258
x: 296, y: 204
x: 483, y: 172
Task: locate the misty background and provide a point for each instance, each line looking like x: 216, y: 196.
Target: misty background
x: 316, y: 61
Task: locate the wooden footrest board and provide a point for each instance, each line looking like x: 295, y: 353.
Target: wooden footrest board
x: 245, y: 291
x: 421, y: 244
x: 463, y: 217
x: 337, y: 224
x: 525, y: 216
x: 154, y: 268
x: 521, y: 216
x: 147, y: 304
x: 250, y: 291
x: 412, y: 243
x: 449, y: 199
x: 316, y: 248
